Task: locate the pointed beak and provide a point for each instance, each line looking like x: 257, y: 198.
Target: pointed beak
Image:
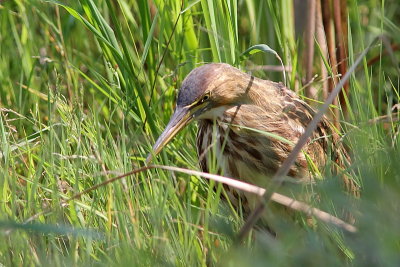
x: 181, y: 117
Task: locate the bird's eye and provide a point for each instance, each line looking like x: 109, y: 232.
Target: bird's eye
x: 205, y: 98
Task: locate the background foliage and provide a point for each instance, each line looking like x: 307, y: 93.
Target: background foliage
x: 86, y: 86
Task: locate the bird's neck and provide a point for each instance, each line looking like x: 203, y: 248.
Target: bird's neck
x: 263, y: 93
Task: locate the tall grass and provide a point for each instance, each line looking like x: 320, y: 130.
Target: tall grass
x: 86, y: 86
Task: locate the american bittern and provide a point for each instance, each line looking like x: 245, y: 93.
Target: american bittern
x: 228, y: 104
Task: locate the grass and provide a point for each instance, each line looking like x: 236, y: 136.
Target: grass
x: 86, y: 87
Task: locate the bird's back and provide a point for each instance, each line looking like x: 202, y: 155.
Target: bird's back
x: 250, y: 141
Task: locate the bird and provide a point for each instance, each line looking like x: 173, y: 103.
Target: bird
x: 250, y: 126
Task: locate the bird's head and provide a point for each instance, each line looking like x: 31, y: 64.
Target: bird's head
x: 205, y: 93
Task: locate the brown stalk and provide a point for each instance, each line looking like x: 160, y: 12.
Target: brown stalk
x: 321, y: 40
x: 330, y: 39
x: 309, y: 49
x: 340, y: 22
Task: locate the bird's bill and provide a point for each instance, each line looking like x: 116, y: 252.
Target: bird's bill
x: 181, y: 117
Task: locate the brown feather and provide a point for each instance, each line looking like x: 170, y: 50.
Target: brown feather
x: 271, y: 108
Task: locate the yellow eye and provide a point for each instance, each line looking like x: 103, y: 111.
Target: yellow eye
x: 205, y: 98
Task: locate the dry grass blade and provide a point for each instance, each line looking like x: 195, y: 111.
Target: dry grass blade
x: 393, y: 117
x: 284, y: 169
x: 278, y: 198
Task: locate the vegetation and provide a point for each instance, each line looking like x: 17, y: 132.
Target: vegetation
x: 86, y: 87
